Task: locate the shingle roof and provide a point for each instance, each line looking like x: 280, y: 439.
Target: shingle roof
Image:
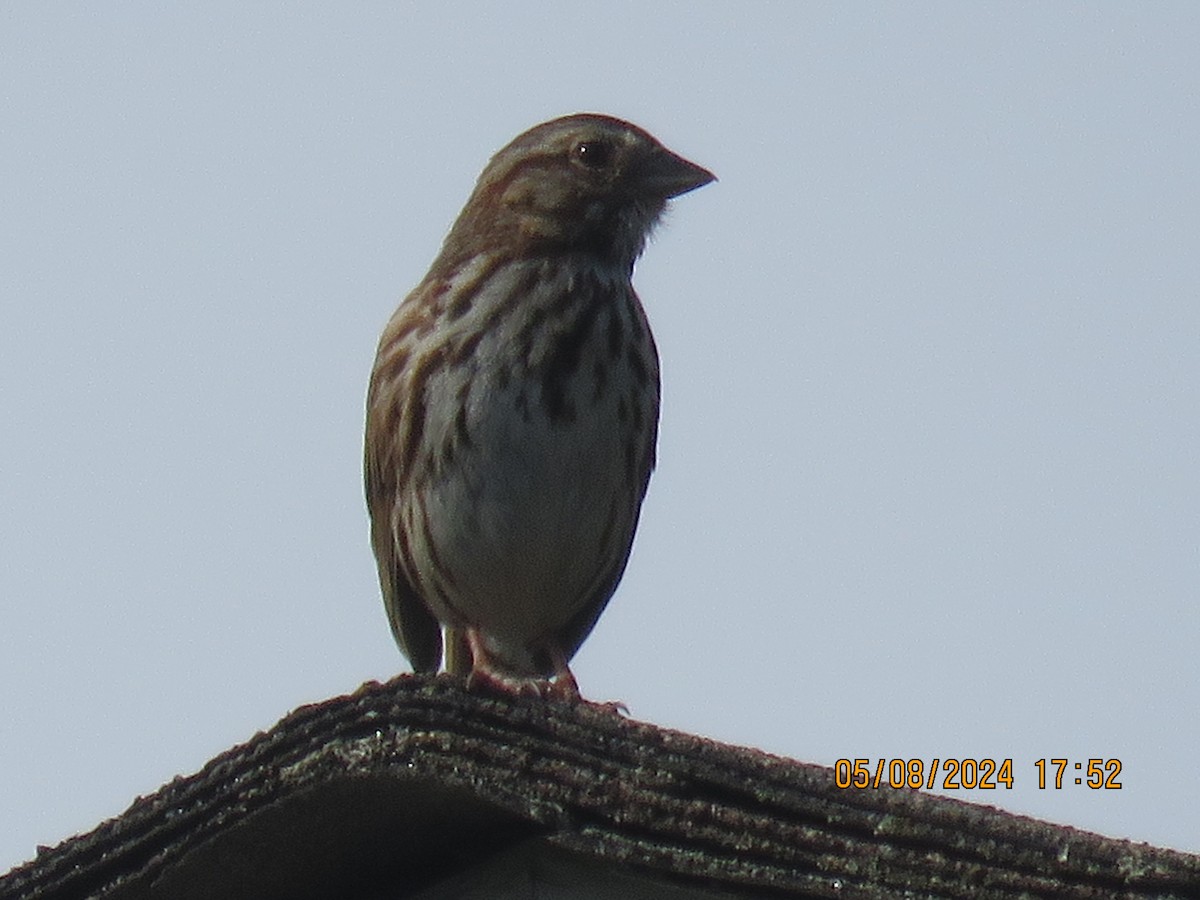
x: 400, y: 785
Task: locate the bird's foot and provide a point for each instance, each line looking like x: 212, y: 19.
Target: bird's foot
x: 486, y: 675
x: 490, y: 680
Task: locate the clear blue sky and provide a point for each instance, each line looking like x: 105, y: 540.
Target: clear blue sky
x: 928, y: 476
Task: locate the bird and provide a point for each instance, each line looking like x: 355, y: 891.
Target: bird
x: 512, y: 409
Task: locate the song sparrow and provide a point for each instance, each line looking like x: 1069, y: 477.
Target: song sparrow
x: 513, y: 408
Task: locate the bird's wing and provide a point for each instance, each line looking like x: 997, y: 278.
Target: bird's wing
x: 416, y: 630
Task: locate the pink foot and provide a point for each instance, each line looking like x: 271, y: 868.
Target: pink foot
x: 486, y: 675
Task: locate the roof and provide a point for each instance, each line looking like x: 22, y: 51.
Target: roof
x: 404, y: 789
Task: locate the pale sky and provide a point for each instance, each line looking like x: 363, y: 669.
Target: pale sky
x: 928, y: 477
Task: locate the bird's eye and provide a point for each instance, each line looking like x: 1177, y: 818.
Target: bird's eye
x: 592, y: 154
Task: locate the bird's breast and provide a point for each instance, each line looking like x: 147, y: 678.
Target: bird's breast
x: 540, y: 449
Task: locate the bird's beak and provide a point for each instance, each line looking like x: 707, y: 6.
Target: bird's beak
x: 667, y: 175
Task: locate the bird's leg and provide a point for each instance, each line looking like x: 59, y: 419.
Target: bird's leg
x: 486, y: 675
x: 458, y: 652
x: 564, y: 686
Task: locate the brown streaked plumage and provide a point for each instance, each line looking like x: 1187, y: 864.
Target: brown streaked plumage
x: 512, y: 412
